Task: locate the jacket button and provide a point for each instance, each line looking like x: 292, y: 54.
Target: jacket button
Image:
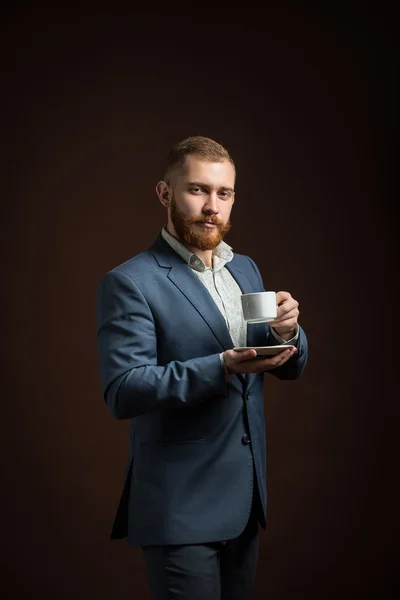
x: 246, y: 439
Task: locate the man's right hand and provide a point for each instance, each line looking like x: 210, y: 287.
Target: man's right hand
x: 245, y: 361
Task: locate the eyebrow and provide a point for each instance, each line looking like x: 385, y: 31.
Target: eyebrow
x: 205, y: 185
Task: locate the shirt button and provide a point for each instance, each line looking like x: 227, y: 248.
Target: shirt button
x: 246, y: 439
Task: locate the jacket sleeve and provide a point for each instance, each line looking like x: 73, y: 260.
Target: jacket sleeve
x: 132, y: 381
x: 292, y: 368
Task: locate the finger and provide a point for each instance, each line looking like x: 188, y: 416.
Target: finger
x: 277, y: 360
x: 282, y: 297
x: 286, y: 316
x: 257, y: 364
x: 283, y: 357
x: 243, y: 355
x: 286, y: 310
x: 283, y: 322
x: 290, y: 324
x: 264, y: 363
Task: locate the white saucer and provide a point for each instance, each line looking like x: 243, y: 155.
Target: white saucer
x: 265, y: 350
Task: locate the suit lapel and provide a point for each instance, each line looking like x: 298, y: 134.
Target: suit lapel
x: 182, y: 276
x: 240, y: 277
x: 198, y: 295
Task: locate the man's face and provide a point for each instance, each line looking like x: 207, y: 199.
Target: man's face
x: 202, y: 199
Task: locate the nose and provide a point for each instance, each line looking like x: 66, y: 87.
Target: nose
x: 211, y: 204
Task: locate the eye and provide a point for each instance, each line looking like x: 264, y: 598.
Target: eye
x: 225, y: 194
x: 196, y: 189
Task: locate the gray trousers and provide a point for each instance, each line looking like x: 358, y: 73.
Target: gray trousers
x: 215, y: 571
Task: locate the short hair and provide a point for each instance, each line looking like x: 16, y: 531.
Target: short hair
x: 203, y: 147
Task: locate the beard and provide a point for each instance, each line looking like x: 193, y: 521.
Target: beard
x: 201, y: 239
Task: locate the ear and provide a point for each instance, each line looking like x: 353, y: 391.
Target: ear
x: 164, y: 193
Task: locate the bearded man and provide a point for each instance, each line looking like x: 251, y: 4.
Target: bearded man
x: 168, y: 321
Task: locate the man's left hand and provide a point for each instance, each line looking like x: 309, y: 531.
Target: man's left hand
x: 285, y: 323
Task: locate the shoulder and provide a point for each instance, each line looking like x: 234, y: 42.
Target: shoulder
x: 135, y: 265
x: 244, y: 262
x: 138, y: 270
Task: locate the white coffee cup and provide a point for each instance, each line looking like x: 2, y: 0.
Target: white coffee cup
x: 259, y: 307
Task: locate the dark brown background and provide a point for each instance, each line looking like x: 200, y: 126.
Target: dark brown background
x: 92, y: 102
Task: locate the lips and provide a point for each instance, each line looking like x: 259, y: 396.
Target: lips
x: 207, y: 222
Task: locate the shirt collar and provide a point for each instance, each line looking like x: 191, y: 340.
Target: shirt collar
x: 221, y: 254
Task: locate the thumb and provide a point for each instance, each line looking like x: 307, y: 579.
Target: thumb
x: 247, y: 354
